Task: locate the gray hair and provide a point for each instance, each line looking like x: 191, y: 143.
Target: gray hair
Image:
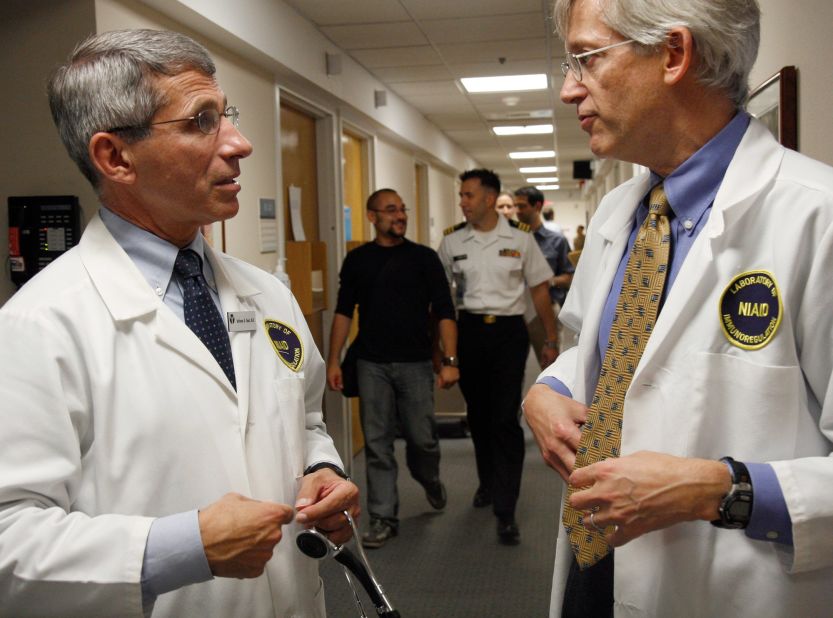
x: 108, y: 83
x: 726, y: 33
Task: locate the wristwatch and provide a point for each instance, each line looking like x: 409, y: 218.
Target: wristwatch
x: 327, y: 464
x: 450, y: 361
x: 736, y: 506
x: 553, y: 345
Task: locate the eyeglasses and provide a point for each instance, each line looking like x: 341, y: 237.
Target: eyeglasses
x: 208, y: 120
x: 575, y: 61
x: 391, y: 210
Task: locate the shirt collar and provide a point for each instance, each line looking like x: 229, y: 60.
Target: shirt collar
x: 692, y: 187
x: 153, y: 256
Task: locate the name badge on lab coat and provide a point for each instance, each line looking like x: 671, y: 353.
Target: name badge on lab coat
x: 239, y: 321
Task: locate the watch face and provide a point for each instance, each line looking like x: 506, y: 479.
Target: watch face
x: 741, y: 508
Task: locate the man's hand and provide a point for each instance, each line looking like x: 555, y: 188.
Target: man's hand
x: 448, y: 376
x: 548, y: 356
x: 320, y: 502
x: 239, y: 534
x: 649, y: 491
x: 556, y: 423
x: 334, y: 377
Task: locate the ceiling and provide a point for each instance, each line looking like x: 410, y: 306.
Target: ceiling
x: 421, y: 48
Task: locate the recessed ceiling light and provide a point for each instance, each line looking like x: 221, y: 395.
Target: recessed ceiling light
x: 541, y: 179
x: 532, y: 154
x: 541, y: 169
x: 505, y: 83
x: 547, y: 187
x: 526, y: 129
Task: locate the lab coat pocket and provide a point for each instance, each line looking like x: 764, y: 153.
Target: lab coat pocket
x: 290, y: 410
x: 734, y: 405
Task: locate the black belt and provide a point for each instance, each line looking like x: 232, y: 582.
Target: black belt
x: 488, y: 318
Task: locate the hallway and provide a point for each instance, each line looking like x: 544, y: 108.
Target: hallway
x: 449, y: 564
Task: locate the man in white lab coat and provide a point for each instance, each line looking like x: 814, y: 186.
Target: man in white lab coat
x: 143, y: 471
x: 739, y: 360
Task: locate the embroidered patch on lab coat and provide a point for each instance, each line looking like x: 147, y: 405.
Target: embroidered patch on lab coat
x: 509, y: 253
x: 750, y: 309
x: 287, y: 344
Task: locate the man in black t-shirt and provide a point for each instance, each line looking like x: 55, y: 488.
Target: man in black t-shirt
x: 401, y: 290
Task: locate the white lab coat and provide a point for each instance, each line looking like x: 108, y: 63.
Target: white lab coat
x: 113, y: 413
x: 696, y: 395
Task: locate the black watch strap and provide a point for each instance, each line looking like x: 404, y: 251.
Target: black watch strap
x: 326, y: 464
x: 736, y: 507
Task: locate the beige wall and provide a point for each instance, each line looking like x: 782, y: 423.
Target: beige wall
x: 395, y: 170
x: 37, y: 36
x: 250, y: 89
x: 801, y: 34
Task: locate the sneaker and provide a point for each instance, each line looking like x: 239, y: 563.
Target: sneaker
x: 507, y: 531
x: 481, y: 498
x: 436, y: 495
x: 378, y: 534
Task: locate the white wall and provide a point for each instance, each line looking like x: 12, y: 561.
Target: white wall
x: 394, y: 169
x: 33, y: 160
x: 801, y: 34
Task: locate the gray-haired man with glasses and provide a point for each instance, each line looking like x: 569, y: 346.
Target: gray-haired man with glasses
x: 160, y: 400
x: 692, y: 423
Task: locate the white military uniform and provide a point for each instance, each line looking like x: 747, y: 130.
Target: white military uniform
x: 114, y: 413
x: 695, y: 393
x: 491, y: 272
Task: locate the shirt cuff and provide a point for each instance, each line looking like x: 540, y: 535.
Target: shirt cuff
x: 174, y: 556
x: 557, y: 385
x: 770, y: 518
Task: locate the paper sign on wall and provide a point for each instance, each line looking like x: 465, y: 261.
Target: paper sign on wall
x: 295, y: 213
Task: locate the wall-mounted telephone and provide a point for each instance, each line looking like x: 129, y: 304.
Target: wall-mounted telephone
x: 41, y: 228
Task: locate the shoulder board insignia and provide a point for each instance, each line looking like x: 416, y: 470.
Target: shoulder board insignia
x: 454, y: 228
x: 521, y: 226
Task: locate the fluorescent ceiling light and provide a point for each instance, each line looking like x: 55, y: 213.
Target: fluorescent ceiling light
x: 541, y: 169
x: 547, y: 187
x: 532, y: 154
x: 505, y: 83
x: 526, y: 129
x: 542, y: 180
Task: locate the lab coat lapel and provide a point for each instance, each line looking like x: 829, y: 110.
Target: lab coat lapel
x: 751, y: 171
x: 128, y: 297
x: 236, y: 295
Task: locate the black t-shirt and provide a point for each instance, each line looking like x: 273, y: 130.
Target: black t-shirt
x: 395, y: 288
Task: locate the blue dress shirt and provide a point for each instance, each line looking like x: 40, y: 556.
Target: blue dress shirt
x: 691, y: 190
x: 174, y: 554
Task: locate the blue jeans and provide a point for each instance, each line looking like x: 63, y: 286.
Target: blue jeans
x: 397, y: 396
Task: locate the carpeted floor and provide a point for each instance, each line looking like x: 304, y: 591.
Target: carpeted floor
x: 449, y: 564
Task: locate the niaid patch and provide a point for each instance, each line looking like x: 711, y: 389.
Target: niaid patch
x: 286, y: 343
x: 750, y: 309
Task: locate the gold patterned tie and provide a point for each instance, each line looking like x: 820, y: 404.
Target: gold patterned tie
x: 633, y: 321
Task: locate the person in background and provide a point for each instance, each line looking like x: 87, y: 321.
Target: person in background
x: 505, y: 205
x: 160, y: 401
x: 693, y: 422
x: 548, y: 215
x: 578, y: 241
x: 491, y: 261
x: 529, y: 201
x: 401, y: 291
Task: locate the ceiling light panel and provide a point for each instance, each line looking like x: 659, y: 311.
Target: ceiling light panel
x: 547, y: 187
x: 541, y: 169
x: 532, y: 154
x: 542, y: 180
x: 505, y: 83
x: 527, y: 129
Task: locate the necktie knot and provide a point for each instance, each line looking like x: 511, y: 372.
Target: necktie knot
x: 658, y: 202
x: 188, y: 264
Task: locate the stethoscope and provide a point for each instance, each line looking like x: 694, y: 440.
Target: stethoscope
x: 314, y: 544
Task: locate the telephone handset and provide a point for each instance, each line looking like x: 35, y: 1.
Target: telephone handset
x: 41, y: 228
